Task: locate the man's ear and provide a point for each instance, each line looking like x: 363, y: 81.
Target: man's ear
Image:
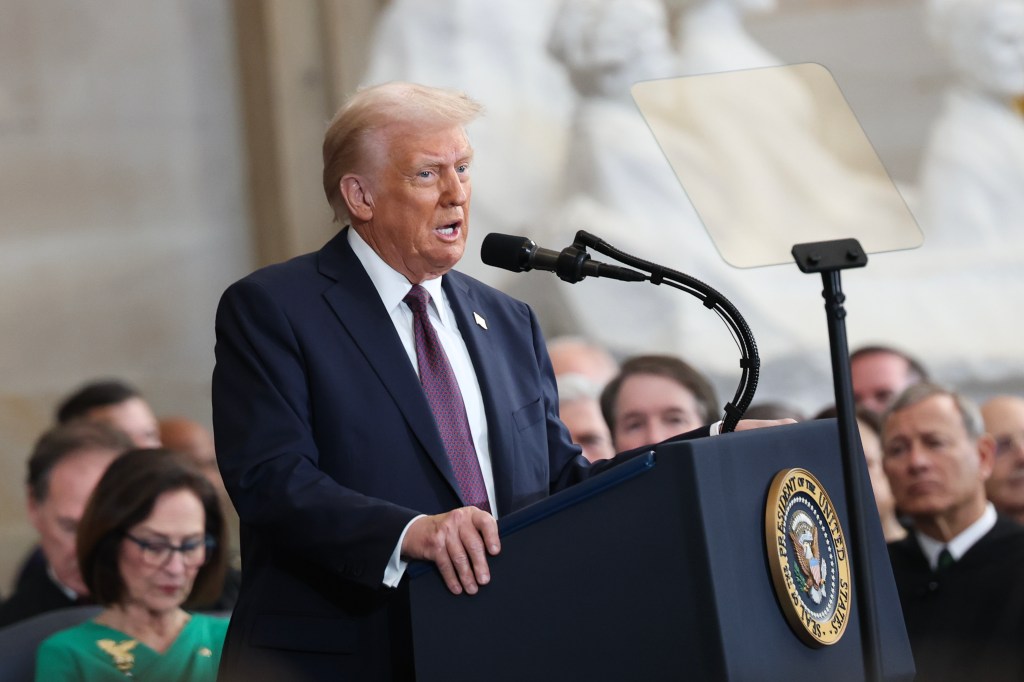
x: 986, y: 455
x: 356, y: 192
x: 34, y: 511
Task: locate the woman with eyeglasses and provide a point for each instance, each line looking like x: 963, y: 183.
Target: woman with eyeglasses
x: 150, y: 542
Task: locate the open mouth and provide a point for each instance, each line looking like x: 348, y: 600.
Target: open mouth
x: 449, y: 230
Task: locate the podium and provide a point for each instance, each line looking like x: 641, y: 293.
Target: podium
x: 657, y: 569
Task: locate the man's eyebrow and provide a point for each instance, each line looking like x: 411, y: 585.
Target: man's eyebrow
x: 441, y: 160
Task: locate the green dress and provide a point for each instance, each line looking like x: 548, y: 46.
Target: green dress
x: 91, y: 652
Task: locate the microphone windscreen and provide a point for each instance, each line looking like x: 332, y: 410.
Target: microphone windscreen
x: 505, y: 251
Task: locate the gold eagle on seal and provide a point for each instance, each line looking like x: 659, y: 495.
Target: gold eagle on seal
x: 804, y: 534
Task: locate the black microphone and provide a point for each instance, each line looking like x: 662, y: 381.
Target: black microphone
x: 571, y: 264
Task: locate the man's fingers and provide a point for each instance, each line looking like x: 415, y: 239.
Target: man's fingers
x: 451, y: 579
x: 474, y: 545
x: 488, y: 528
x: 463, y: 554
x: 458, y: 542
x: 750, y: 424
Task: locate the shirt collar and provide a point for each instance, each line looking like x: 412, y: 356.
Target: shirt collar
x: 959, y: 545
x: 391, y: 285
x: 68, y: 592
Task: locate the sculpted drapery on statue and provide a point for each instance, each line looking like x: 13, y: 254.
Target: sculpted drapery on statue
x: 972, y: 174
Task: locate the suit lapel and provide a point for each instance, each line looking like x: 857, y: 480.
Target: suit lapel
x: 483, y: 346
x: 358, y: 308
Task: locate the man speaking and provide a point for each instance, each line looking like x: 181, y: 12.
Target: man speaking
x: 372, y: 406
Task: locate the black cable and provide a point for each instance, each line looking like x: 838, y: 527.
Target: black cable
x: 750, y: 361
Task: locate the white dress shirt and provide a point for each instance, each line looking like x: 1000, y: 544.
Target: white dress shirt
x: 959, y: 545
x: 392, y: 288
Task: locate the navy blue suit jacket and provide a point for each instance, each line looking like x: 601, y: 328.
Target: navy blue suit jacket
x: 328, y: 448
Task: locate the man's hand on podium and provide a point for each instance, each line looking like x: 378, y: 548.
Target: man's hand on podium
x: 750, y: 424
x: 458, y: 542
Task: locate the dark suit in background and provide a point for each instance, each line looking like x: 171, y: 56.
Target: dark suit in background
x: 35, y: 593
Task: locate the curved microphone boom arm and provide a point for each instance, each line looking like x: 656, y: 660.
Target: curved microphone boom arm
x: 750, y: 361
x: 573, y: 264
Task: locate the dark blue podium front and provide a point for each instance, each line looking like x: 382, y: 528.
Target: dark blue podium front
x: 654, y: 570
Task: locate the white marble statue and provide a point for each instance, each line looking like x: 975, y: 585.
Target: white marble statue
x: 711, y: 35
x: 972, y: 173
x: 956, y: 295
x: 776, y: 157
x: 618, y: 184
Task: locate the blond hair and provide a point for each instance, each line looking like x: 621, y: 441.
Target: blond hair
x: 348, y: 142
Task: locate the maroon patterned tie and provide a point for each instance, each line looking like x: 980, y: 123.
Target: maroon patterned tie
x: 445, y: 398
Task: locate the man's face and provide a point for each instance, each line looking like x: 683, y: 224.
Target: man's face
x: 419, y: 197
x: 134, y: 418
x: 56, y: 518
x: 572, y: 357
x: 878, y: 379
x: 588, y: 428
x: 936, y: 471
x: 651, y: 408
x: 196, y: 441
x: 1004, y: 421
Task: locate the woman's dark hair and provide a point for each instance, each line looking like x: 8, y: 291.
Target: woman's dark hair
x: 124, y: 497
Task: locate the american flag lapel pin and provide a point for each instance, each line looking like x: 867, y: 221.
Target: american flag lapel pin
x: 480, y: 320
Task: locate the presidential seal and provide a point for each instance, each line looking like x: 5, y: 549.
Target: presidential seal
x: 808, y: 557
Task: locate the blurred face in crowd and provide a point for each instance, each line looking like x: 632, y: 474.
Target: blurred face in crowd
x: 936, y: 471
x: 879, y: 481
x: 650, y: 408
x: 57, y: 516
x: 1004, y: 421
x: 132, y: 417
x: 587, y: 427
x: 878, y: 379
x: 195, y: 440
x: 158, y: 578
x: 573, y: 357
x: 413, y: 208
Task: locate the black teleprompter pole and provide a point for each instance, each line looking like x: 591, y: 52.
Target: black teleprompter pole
x: 830, y: 258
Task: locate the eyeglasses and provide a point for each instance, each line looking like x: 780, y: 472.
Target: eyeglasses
x: 158, y: 553
x: 1007, y: 443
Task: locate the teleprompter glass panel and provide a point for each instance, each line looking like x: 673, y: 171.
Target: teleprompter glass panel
x: 773, y: 157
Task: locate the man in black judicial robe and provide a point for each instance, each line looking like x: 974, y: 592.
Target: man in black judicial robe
x: 960, y: 572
